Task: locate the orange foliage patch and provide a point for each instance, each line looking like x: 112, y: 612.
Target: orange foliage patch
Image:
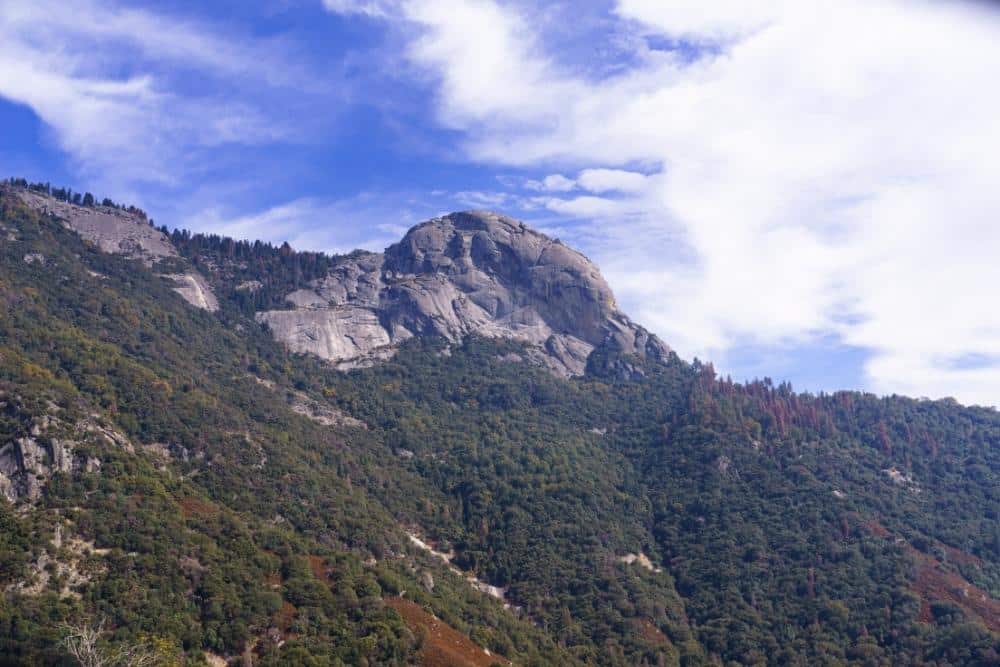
x: 876, y: 529
x: 320, y: 570
x: 194, y: 507
x: 283, y: 618
x: 651, y: 633
x: 961, y: 557
x: 935, y: 584
x: 443, y: 645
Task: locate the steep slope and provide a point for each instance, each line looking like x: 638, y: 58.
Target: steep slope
x: 776, y: 515
x: 252, y: 501
x: 165, y: 479
x: 124, y: 232
x: 462, y: 274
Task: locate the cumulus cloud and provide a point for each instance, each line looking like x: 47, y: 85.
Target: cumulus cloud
x: 812, y: 168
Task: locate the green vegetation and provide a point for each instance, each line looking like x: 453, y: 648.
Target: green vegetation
x: 216, y: 548
x: 67, y: 195
x: 787, y: 528
x: 252, y: 275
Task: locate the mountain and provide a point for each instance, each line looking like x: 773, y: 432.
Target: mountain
x: 463, y: 274
x: 126, y: 233
x: 511, y: 471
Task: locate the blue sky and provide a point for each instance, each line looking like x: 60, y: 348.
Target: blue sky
x: 797, y: 189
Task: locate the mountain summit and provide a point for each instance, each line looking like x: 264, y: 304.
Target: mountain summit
x: 465, y: 273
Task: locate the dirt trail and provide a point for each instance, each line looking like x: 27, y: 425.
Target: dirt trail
x: 493, y: 591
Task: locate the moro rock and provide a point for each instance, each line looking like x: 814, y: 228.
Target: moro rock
x: 472, y: 273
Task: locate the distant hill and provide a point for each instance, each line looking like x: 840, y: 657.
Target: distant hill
x: 510, y: 471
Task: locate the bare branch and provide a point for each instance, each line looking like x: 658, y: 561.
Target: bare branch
x: 82, y: 641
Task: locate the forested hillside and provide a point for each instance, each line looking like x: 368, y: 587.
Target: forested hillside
x: 178, y: 476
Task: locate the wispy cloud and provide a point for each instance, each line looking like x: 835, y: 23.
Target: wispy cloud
x: 748, y: 175
x: 552, y: 183
x: 810, y: 169
x: 133, y: 95
x: 370, y: 8
x: 612, y: 180
x: 369, y: 221
x: 592, y: 180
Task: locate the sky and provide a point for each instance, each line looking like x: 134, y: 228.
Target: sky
x: 802, y: 190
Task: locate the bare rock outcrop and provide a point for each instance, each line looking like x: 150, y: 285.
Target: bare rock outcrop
x: 322, y: 413
x: 121, y: 232
x: 461, y: 274
x: 110, y: 229
x: 49, y: 446
x: 195, y: 290
x: 69, y: 561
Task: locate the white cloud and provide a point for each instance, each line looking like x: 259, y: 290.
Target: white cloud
x: 113, y: 85
x: 611, y: 180
x: 819, y: 168
x: 552, y: 183
x: 699, y: 20
x: 585, y: 206
x: 370, y: 221
x: 371, y: 8
x: 479, y: 199
x: 488, y: 66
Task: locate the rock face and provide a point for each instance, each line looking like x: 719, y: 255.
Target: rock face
x: 48, y: 447
x: 111, y: 229
x: 465, y: 273
x: 120, y: 232
x: 195, y: 290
